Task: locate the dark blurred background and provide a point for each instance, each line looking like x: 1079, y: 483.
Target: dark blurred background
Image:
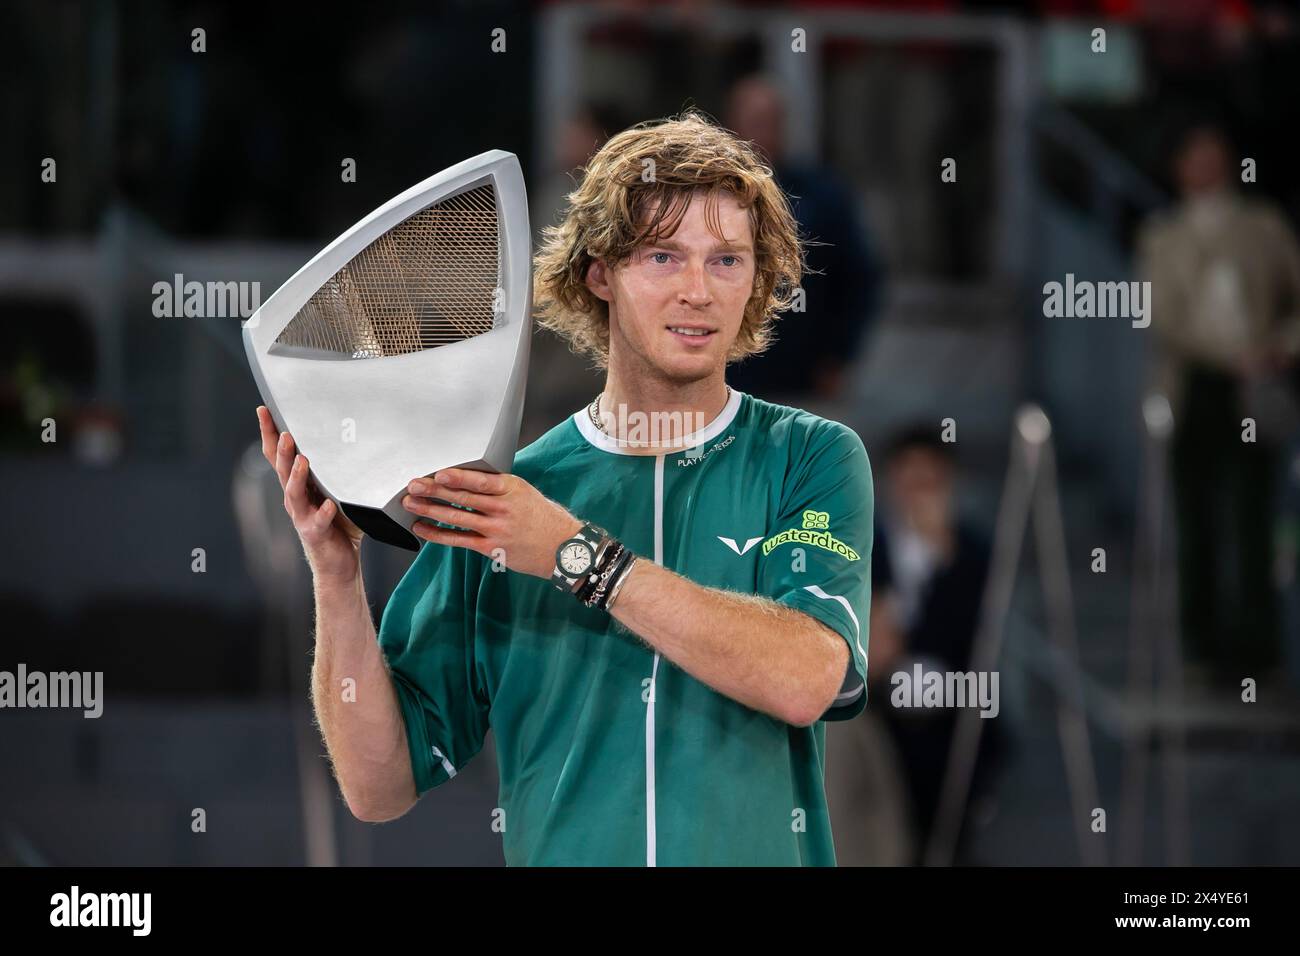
x: 1112, y: 165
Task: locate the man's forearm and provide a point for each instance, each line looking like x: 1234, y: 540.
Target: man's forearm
x: 767, y: 656
x: 362, y: 722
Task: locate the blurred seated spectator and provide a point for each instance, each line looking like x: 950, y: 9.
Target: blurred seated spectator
x: 936, y: 565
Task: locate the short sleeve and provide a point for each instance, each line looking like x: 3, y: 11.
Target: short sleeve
x: 817, y: 559
x: 427, y: 636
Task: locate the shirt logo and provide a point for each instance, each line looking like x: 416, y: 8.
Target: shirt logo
x: 815, y: 531
x: 817, y: 519
x: 693, y: 456
x: 731, y: 543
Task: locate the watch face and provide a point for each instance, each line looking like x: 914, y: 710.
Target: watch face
x: 575, y: 557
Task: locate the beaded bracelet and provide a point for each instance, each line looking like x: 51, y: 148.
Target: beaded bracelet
x: 599, y: 572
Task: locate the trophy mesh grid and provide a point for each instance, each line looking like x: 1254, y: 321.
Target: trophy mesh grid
x: 431, y: 280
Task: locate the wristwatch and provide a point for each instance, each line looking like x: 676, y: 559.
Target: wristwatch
x: 575, y: 557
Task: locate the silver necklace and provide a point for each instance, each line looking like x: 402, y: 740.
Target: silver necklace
x: 593, y: 412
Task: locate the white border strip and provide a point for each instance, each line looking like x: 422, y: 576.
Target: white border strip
x: 446, y: 764
x: 816, y: 591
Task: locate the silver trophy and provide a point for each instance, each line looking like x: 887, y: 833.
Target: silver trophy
x: 402, y: 347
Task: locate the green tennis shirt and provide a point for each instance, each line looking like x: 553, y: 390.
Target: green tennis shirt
x: 609, y: 754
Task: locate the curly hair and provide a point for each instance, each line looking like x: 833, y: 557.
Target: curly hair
x: 607, y: 220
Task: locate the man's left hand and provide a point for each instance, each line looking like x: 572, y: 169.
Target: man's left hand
x: 507, y: 514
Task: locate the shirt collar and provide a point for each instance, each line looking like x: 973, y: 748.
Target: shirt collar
x: 710, y: 431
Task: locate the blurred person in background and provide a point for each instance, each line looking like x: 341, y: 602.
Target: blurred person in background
x: 1225, y: 275
x: 576, y: 141
x: 865, y: 785
x: 933, y: 569
x: 812, y: 352
x: 559, y: 379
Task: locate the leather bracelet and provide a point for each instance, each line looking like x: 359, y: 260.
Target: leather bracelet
x: 619, y: 578
x: 595, y: 596
x: 599, y: 597
x: 600, y: 573
x: 607, y: 553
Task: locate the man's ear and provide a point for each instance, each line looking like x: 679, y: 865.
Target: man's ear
x: 597, y: 280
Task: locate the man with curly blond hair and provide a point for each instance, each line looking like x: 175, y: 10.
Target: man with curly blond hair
x: 658, y: 610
